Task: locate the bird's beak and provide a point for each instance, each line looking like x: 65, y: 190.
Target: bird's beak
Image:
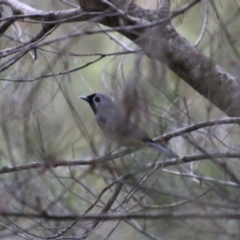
x: 84, y: 98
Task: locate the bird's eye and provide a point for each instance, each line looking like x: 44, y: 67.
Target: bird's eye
x: 97, y: 99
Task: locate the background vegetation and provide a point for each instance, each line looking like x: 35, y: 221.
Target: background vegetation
x: 62, y: 179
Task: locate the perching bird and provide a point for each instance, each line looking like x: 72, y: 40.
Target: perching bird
x: 116, y: 126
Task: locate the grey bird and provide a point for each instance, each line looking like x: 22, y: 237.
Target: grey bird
x: 116, y: 126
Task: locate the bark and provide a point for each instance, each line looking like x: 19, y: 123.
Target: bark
x: 163, y: 43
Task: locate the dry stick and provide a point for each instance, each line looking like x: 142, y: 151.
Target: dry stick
x: 105, y: 209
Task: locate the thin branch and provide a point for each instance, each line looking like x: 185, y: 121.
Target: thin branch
x: 101, y: 160
x: 134, y: 215
x: 106, y: 208
x: 194, y: 127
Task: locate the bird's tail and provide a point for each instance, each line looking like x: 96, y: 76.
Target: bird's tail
x: 162, y: 149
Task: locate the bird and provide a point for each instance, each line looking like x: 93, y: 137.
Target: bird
x: 117, y: 127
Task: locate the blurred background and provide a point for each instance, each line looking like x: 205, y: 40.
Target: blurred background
x: 44, y: 121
